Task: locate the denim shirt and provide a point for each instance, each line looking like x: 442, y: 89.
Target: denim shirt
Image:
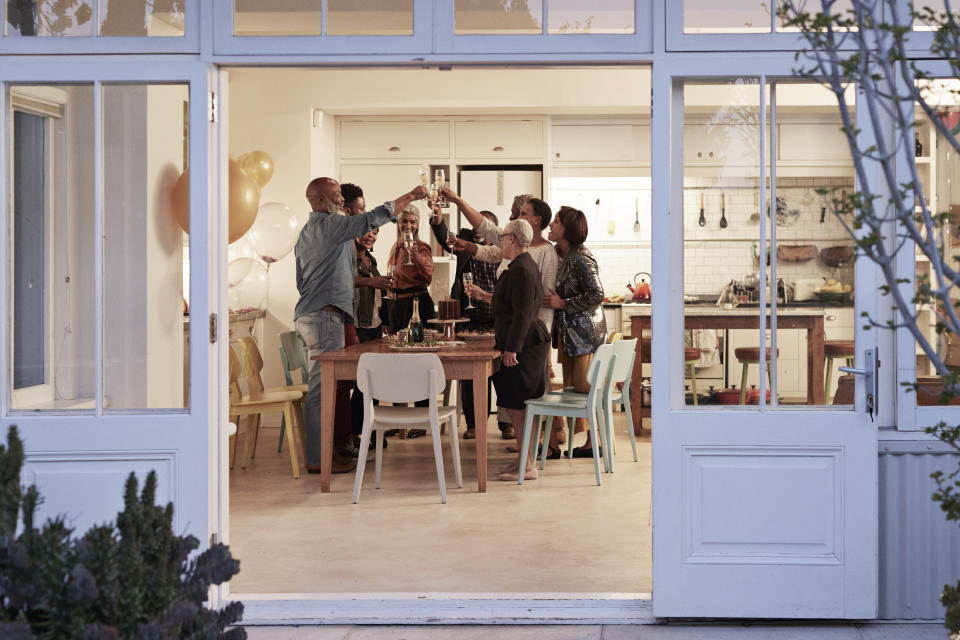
x: 325, y: 263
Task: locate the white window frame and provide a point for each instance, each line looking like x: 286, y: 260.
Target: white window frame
x: 640, y: 41
x: 196, y: 12
x: 225, y: 43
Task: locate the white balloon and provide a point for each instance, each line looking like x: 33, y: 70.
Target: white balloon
x: 238, y: 269
x: 240, y: 253
x: 275, y: 231
x: 250, y: 292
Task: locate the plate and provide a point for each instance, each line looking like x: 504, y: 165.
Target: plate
x: 417, y: 348
x: 475, y: 336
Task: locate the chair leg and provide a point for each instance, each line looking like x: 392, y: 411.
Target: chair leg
x: 525, y: 443
x: 455, y: 445
x: 283, y: 428
x: 743, y: 383
x: 536, y: 440
x: 256, y: 437
x: 629, y: 412
x: 299, y: 424
x: 693, y: 383
x: 545, y: 424
x: 291, y: 443
x: 571, y: 424
x: 592, y: 420
x: 610, y: 444
x: 249, y: 444
x: 438, y: 457
x: 827, y: 379
x: 362, y: 460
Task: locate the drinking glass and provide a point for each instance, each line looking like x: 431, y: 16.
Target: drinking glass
x: 432, y: 194
x: 424, y: 174
x: 468, y: 279
x: 393, y: 280
x: 441, y: 180
x: 451, y: 239
x: 409, y: 243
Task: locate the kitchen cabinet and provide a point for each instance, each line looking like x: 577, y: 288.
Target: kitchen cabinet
x: 812, y: 143
x: 388, y: 139
x: 721, y: 144
x: 498, y: 139
x: 622, y: 144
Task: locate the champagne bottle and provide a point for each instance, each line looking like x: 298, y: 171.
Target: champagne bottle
x: 415, y: 328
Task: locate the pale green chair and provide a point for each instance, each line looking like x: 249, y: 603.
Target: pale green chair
x: 571, y: 407
x: 293, y: 359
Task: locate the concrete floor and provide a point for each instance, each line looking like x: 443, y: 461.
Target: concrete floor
x: 726, y: 631
x: 561, y: 533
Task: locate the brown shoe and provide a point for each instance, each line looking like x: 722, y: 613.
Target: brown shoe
x: 507, y: 433
x: 469, y: 434
x: 338, y: 466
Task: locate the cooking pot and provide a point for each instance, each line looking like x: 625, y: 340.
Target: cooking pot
x: 753, y: 395
x: 728, y: 396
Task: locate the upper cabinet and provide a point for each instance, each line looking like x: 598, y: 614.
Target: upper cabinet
x: 387, y: 139
x: 498, y: 139
x: 819, y: 142
x: 622, y: 144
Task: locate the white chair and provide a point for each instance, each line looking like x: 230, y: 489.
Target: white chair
x: 401, y: 378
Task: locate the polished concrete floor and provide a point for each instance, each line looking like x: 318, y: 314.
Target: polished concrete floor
x: 561, y: 533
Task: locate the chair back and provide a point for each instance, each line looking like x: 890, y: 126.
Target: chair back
x: 292, y: 355
x: 236, y: 370
x: 626, y: 352
x: 400, y: 377
x: 252, y: 364
x: 598, y: 372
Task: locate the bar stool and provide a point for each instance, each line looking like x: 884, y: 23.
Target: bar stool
x: 833, y: 349
x: 747, y: 356
x: 690, y: 358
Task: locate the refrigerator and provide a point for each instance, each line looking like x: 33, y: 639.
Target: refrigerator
x: 492, y: 188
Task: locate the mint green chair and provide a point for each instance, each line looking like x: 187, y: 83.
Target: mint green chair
x: 292, y: 358
x: 570, y: 407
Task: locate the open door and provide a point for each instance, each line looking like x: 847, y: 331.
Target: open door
x: 765, y: 509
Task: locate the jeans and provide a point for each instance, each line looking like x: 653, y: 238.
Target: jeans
x: 321, y: 331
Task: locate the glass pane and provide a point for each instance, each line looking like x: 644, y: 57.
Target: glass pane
x: 369, y: 17
x: 840, y: 8
x: 923, y: 7
x: 498, y: 16
x: 276, y: 18
x: 49, y: 18
x: 721, y: 149
x: 142, y: 17
x: 602, y: 16
x: 730, y: 16
x: 53, y: 249
x: 145, y: 336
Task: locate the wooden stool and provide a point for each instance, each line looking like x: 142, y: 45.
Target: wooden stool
x: 833, y: 349
x: 747, y: 356
x: 690, y: 359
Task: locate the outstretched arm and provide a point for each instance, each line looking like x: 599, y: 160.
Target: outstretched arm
x: 473, y: 216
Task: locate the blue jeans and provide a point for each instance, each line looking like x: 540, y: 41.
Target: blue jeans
x: 321, y: 331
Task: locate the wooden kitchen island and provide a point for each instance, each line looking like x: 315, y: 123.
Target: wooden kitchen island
x: 712, y: 317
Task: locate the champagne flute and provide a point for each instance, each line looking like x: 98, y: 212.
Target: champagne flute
x: 441, y: 180
x: 468, y: 280
x: 409, y: 243
x: 432, y: 194
x: 393, y: 279
x: 424, y: 174
x: 451, y: 239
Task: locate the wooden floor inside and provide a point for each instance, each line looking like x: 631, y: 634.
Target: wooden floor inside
x: 561, y: 533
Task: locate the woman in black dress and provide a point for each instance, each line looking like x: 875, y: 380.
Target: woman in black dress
x: 520, y: 335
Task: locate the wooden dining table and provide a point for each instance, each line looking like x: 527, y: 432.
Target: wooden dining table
x: 473, y: 360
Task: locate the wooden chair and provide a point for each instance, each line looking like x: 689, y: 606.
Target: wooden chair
x: 293, y: 359
x: 259, y: 401
x: 401, y: 378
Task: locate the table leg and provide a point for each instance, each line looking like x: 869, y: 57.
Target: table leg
x: 480, y: 421
x: 815, y: 363
x: 328, y: 392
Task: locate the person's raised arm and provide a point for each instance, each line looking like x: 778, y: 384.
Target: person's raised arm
x: 419, y: 192
x: 473, y: 216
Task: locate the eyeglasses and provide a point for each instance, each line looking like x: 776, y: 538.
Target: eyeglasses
x: 505, y: 235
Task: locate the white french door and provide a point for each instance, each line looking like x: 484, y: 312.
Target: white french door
x: 769, y: 509
x: 103, y: 372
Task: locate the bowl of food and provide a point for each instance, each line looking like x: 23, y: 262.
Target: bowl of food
x: 831, y: 296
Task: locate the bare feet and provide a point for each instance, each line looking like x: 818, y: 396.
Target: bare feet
x: 511, y: 476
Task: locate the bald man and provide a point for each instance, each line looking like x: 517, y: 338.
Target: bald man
x: 325, y: 272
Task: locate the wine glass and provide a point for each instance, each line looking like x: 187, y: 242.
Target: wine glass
x: 440, y: 178
x: 432, y: 194
x: 393, y: 279
x: 468, y: 280
x: 451, y: 239
x: 424, y: 174
x: 409, y: 243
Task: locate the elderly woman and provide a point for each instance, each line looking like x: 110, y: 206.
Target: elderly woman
x: 578, y: 325
x: 519, y: 334
x: 411, y: 280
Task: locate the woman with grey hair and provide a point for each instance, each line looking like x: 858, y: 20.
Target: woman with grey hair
x: 519, y: 334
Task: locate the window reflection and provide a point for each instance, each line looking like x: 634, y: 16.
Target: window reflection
x: 277, y: 18
x: 602, y: 16
x: 142, y: 17
x: 49, y: 18
x: 369, y: 17
x: 135, y: 18
x: 498, y: 16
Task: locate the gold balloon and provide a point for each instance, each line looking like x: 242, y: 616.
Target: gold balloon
x: 244, y: 201
x: 259, y: 165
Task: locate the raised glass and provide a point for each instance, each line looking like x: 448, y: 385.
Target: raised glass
x: 497, y: 17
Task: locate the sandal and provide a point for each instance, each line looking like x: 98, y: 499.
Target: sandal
x: 586, y: 452
x: 553, y: 454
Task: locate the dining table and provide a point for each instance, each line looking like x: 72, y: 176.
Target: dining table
x: 470, y: 359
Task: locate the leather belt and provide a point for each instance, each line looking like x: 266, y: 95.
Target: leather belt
x: 409, y: 294
x: 332, y: 308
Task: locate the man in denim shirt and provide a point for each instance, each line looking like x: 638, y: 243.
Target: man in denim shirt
x: 325, y: 272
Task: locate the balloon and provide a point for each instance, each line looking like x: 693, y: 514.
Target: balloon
x: 250, y: 293
x: 259, y: 165
x: 243, y: 201
x: 275, y: 232
x: 238, y: 269
x: 239, y: 256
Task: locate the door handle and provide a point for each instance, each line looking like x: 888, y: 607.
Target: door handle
x: 871, y: 377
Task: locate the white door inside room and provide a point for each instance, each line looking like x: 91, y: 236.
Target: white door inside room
x: 108, y: 375
x: 767, y: 507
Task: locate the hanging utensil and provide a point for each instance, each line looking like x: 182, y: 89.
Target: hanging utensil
x: 755, y: 216
x: 703, y: 220
x: 636, y: 215
x: 823, y: 214
x: 723, y: 210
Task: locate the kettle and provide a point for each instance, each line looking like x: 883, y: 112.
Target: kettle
x: 641, y: 290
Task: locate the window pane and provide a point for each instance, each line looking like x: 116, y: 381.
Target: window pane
x: 922, y: 7
x: 602, y: 16
x: 141, y: 17
x: 370, y: 17
x: 49, y: 18
x: 840, y: 8
x: 276, y: 18
x: 53, y: 253
x: 498, y: 16
x: 730, y: 16
x: 144, y: 138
